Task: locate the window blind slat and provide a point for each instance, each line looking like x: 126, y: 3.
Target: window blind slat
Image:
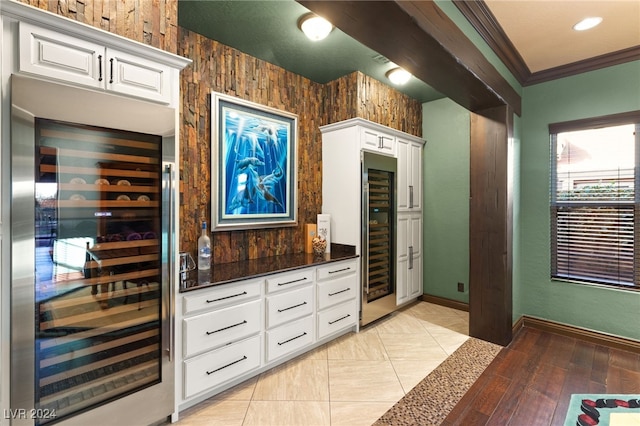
x: 594, y: 243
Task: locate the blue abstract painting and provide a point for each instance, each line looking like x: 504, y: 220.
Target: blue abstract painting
x: 256, y: 153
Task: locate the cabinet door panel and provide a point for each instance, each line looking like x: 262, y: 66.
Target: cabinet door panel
x: 403, y: 239
x: 415, y: 279
x: 54, y: 55
x: 415, y: 184
x: 415, y: 234
x: 373, y: 140
x: 404, y: 171
x: 136, y: 76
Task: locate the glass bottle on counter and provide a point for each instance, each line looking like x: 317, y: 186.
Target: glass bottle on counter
x: 204, y: 249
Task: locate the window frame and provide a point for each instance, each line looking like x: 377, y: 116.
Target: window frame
x: 632, y: 117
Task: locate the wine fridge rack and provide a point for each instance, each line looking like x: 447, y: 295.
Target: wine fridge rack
x: 379, y: 258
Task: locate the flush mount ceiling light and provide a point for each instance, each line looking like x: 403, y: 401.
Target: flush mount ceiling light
x: 314, y: 27
x: 398, y: 76
x: 587, y: 23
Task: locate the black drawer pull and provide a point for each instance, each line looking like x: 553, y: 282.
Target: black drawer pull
x: 227, y: 297
x: 340, y: 270
x: 291, y: 307
x: 111, y: 77
x: 340, y: 319
x: 294, y: 281
x: 341, y: 291
x: 226, y: 328
x: 99, y: 67
x: 225, y: 366
x: 293, y: 338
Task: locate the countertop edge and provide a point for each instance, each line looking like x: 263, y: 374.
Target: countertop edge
x: 286, y: 263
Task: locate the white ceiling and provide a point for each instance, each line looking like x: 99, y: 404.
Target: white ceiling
x: 541, y: 30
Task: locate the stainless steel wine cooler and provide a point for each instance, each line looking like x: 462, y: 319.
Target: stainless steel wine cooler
x: 92, y: 244
x: 378, y: 236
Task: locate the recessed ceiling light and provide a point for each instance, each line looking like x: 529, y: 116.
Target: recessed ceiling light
x: 587, y: 23
x: 398, y: 76
x: 314, y: 27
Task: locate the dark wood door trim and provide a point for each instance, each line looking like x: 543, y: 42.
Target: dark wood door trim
x: 491, y: 225
x: 419, y: 37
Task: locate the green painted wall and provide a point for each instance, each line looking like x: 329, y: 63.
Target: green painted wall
x: 602, y: 92
x: 446, y: 194
x: 446, y: 190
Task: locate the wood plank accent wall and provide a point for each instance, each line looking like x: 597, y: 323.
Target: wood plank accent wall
x: 220, y: 68
x: 152, y: 22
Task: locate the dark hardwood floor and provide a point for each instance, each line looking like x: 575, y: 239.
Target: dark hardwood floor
x: 531, y: 381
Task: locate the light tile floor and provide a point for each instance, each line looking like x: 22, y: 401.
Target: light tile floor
x: 352, y: 380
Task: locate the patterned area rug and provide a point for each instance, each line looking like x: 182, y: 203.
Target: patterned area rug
x: 603, y: 410
x: 429, y: 402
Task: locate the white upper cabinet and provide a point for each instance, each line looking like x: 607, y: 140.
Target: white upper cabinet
x: 409, y: 174
x: 377, y: 141
x: 83, y: 62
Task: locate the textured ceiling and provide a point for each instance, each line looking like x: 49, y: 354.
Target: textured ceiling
x: 540, y: 30
x: 268, y: 30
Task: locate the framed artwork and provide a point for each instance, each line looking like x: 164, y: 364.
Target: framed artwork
x: 254, y: 165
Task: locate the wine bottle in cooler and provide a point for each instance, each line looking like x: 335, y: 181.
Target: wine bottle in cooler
x: 204, y: 249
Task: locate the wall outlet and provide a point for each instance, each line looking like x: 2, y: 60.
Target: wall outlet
x: 461, y: 287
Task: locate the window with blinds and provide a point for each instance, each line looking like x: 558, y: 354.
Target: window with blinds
x: 594, y: 204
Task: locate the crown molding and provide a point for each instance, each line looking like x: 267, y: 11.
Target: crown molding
x: 485, y: 23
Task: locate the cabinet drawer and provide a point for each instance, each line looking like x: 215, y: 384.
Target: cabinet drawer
x: 336, y: 291
x: 217, y: 367
x: 223, y: 295
x: 213, y: 329
x: 337, y: 270
x: 290, y: 337
x: 336, y: 318
x: 289, y: 280
x: 288, y: 306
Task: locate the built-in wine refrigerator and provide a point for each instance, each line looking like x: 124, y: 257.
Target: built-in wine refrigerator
x: 378, y: 236
x: 92, y: 238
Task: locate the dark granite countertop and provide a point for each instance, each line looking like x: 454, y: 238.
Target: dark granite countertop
x: 225, y: 273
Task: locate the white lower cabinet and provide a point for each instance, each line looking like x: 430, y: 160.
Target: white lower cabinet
x: 286, y: 307
x: 337, y: 318
x: 214, y: 368
x: 409, y: 249
x: 337, y: 297
x: 217, y: 328
x: 234, y: 331
x: 289, y: 338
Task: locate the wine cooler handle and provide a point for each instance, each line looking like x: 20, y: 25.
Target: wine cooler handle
x: 168, y: 181
x: 365, y: 247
